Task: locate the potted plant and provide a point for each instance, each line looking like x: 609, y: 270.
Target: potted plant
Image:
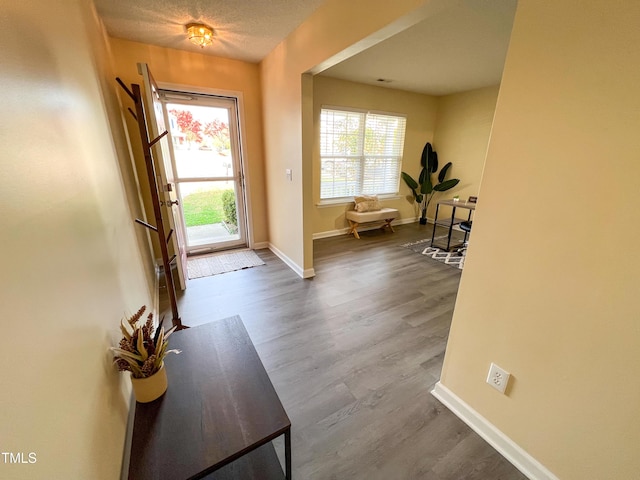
x: 141, y: 352
x: 425, y: 188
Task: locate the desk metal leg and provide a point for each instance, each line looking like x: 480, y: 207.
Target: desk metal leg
x: 467, y: 233
x: 287, y: 453
x: 435, y: 222
x: 453, y: 217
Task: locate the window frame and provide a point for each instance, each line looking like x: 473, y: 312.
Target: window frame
x: 361, y: 157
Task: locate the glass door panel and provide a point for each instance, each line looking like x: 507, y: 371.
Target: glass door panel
x: 210, y: 212
x: 206, y: 157
x: 201, y: 141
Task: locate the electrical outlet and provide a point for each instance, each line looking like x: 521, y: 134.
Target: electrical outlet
x: 498, y: 378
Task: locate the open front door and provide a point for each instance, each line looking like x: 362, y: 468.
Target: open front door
x: 206, y: 158
x: 166, y: 183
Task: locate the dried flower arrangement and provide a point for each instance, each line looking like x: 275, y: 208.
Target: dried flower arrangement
x: 142, y: 349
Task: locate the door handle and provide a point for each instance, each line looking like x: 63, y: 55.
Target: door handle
x: 174, y: 202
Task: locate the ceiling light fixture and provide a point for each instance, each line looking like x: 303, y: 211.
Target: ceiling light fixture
x: 200, y: 34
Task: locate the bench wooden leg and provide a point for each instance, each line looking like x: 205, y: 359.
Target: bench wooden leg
x: 354, y: 226
x: 353, y: 230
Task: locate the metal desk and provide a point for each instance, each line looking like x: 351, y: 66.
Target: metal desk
x: 450, y: 222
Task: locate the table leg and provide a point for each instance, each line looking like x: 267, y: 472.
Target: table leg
x: 467, y: 233
x: 453, y: 216
x: 435, y: 222
x: 287, y: 453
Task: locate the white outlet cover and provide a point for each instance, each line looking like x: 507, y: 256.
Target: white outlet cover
x: 498, y: 378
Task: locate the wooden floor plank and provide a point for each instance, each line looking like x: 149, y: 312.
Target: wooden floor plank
x: 353, y: 354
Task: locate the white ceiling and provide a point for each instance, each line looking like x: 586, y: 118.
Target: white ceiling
x: 244, y: 29
x: 459, y: 48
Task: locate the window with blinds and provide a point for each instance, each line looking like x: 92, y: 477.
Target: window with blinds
x: 360, y: 153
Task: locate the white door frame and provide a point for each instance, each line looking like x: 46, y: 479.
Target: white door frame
x: 244, y: 171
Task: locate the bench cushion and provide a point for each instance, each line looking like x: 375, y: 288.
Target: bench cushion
x: 364, y: 217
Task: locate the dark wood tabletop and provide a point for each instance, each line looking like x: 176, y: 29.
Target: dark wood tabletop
x: 220, y: 405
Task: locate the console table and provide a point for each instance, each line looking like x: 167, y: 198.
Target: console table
x: 451, y: 221
x: 218, y: 416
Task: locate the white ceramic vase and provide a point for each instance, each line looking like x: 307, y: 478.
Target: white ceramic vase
x: 148, y: 389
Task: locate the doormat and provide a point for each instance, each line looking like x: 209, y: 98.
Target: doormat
x: 208, y: 265
x: 423, y: 247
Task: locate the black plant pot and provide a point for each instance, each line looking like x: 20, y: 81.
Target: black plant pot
x: 423, y: 221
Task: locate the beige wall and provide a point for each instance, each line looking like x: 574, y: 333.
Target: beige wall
x: 559, y: 196
x: 561, y: 316
x: 203, y: 71
x: 457, y: 125
x: 461, y: 136
x: 288, y: 98
x: 72, y: 266
x: 420, y: 111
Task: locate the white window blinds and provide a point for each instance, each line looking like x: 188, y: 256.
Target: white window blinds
x: 360, y: 153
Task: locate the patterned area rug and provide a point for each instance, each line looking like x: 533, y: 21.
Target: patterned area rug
x: 206, y: 266
x: 424, y: 247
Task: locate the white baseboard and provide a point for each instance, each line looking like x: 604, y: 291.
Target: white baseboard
x: 344, y: 231
x: 330, y: 233
x: 260, y: 245
x: 510, y: 450
x: 308, y: 273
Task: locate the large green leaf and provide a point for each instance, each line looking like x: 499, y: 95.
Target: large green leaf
x: 424, y: 174
x: 426, y: 153
x: 443, y: 173
x: 446, y: 185
x: 434, y: 161
x: 411, y: 183
x: 427, y: 186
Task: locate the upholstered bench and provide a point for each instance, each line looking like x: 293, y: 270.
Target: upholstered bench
x: 385, y: 215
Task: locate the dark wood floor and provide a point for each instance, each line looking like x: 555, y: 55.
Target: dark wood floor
x: 353, y: 354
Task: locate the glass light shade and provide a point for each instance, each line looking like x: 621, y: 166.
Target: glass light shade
x: 199, y: 34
